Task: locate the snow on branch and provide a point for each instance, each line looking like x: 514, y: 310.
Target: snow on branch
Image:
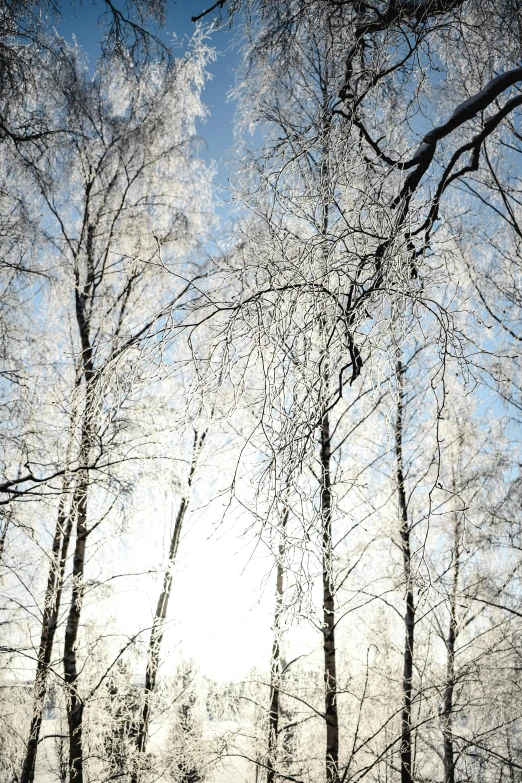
x: 464, y: 112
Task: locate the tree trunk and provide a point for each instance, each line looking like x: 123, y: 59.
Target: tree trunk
x: 510, y: 755
x: 53, y: 595
x: 156, y: 636
x: 75, y: 704
x: 447, y: 714
x: 409, y: 615
x: 275, y: 666
x: 83, y: 320
x: 330, y: 674
x: 3, y: 536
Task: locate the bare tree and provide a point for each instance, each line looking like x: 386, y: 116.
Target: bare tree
x: 276, y: 661
x: 121, y: 193
x: 409, y: 614
x: 160, y: 616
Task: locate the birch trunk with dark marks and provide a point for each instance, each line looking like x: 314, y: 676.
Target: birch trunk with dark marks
x: 83, y: 294
x: 70, y: 664
x: 53, y: 595
x: 3, y: 537
x: 156, y: 637
x: 409, y: 614
x: 447, y: 713
x: 52, y: 602
x: 330, y: 669
x: 276, y: 664
x: 509, y: 746
x: 329, y: 651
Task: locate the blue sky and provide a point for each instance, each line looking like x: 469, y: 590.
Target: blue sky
x: 81, y: 21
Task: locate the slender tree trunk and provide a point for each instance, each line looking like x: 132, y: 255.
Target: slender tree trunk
x: 330, y: 667
x: 3, y: 536
x: 510, y: 754
x: 53, y: 595
x: 447, y: 714
x: 156, y: 636
x: 275, y: 665
x: 75, y: 703
x: 409, y: 614
x: 330, y: 672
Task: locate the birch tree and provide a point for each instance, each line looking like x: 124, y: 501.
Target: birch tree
x: 113, y: 214
x: 389, y: 65
x: 160, y: 616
